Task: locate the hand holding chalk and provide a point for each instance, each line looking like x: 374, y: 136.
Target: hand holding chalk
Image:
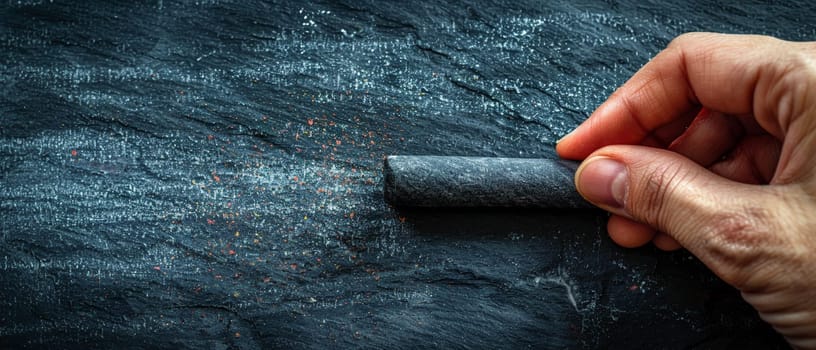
x: 729, y: 173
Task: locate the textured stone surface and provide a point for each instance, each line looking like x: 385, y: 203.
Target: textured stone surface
x: 207, y: 174
x: 434, y: 181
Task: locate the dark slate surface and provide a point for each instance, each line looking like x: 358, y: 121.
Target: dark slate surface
x: 208, y: 174
x: 480, y: 182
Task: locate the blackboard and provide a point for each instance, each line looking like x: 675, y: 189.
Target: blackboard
x: 207, y: 174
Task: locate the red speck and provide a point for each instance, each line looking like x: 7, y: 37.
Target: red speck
x: 293, y: 266
x: 351, y: 215
x: 310, y: 122
x: 210, y: 222
x: 633, y: 287
x: 210, y: 137
x: 216, y: 178
x: 267, y: 279
x: 295, y: 178
x: 157, y: 268
x: 338, y: 142
x: 231, y: 252
x: 73, y: 153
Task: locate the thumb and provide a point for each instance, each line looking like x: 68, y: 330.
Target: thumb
x: 717, y: 219
x: 759, y: 239
x: 661, y: 188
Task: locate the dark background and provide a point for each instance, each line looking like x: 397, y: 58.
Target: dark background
x: 208, y: 174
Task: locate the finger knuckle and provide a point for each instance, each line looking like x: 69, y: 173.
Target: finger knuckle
x: 655, y: 190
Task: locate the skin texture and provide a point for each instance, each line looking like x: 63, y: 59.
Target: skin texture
x: 711, y: 146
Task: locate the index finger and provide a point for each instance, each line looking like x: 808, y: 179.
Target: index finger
x: 718, y: 71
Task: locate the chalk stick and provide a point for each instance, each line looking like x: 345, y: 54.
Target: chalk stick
x: 437, y: 181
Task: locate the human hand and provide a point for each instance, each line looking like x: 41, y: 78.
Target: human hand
x: 712, y: 146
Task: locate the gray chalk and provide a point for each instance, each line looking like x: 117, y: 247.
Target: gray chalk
x: 436, y: 181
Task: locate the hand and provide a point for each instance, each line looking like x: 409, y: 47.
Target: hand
x: 712, y: 146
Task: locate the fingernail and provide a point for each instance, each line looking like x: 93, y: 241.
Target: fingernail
x: 603, y: 181
x: 565, y: 136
